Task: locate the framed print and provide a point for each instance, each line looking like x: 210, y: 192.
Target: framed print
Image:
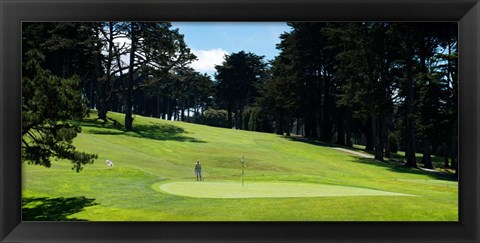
x: 159, y: 121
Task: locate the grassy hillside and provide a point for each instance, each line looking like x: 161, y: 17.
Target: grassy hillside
x: 158, y: 152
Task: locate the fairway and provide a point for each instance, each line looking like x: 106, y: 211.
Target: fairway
x: 234, y: 189
x: 285, y: 179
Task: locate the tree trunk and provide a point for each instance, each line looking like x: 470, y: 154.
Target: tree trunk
x: 279, y: 123
x: 445, y: 156
x: 410, y: 139
x: 386, y: 141
x: 102, y: 96
x: 376, y: 131
x: 102, y: 101
x: 348, y: 129
x: 454, y: 148
x: 129, y: 91
x: 288, y: 126
x: 195, y: 110
x: 308, y: 126
x: 427, y: 159
x: 168, y: 113
x: 241, y: 124
x: 102, y: 110
x: 229, y: 112
x: 326, y: 132
x: 236, y: 118
x: 298, y: 126
x: 368, y: 135
x: 158, y: 107
x: 318, y: 123
x: 340, y: 131
x: 318, y: 105
x: 312, y: 127
x: 182, y: 113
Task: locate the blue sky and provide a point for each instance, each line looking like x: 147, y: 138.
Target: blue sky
x: 210, y: 41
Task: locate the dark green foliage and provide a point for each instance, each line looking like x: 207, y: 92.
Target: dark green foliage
x: 281, y: 97
x: 48, y: 104
x: 69, y: 48
x: 303, y: 72
x: 155, y: 51
x: 393, y: 143
x: 216, y: 118
x: 388, y: 86
x: 237, y: 81
x: 176, y: 94
x: 256, y: 119
x: 364, y: 82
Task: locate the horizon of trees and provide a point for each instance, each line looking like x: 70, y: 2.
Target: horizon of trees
x: 388, y: 86
x: 385, y: 85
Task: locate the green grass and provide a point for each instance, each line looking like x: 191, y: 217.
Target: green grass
x: 319, y: 183
x: 235, y: 189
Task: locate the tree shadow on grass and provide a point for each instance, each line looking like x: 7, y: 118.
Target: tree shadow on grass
x: 400, y: 168
x: 152, y: 131
x: 311, y: 141
x: 164, y: 132
x: 394, y: 164
x: 53, y: 209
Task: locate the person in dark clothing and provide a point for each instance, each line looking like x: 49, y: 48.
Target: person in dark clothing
x: 198, y: 171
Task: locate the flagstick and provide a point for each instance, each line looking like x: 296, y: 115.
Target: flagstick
x: 243, y: 169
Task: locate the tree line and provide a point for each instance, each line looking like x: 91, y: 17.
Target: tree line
x: 389, y: 86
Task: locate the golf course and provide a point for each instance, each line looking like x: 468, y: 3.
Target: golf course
x: 285, y: 179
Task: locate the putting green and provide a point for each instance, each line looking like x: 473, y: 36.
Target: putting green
x: 234, y: 189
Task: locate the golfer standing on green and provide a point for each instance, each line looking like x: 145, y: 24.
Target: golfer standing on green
x: 198, y: 170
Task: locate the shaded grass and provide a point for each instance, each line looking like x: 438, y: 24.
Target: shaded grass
x: 53, y: 209
x: 399, y: 157
x: 310, y: 141
x: 396, y: 161
x: 150, y: 130
x: 398, y: 168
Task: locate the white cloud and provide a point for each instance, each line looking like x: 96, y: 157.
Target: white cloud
x: 120, y: 42
x: 207, y: 59
x: 205, y: 63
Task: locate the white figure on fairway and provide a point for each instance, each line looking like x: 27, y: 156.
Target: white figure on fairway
x: 109, y: 163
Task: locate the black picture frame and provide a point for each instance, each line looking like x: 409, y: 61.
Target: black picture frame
x: 13, y: 12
